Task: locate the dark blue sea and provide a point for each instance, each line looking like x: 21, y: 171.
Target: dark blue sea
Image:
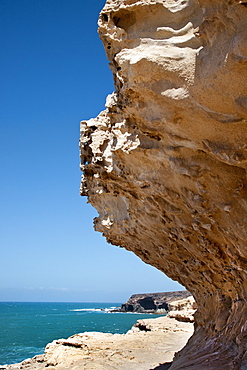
x: 26, y: 327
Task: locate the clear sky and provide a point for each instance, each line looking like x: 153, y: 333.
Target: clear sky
x: 54, y: 73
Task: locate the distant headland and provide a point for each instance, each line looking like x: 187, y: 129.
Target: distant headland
x: 152, y: 302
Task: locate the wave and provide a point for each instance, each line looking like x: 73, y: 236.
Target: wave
x: 110, y: 309
x: 88, y: 309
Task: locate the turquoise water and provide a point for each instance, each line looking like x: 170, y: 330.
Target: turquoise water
x: 26, y: 327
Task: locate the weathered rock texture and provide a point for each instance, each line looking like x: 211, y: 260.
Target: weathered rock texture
x: 165, y: 163
x: 153, y: 302
x: 183, y: 310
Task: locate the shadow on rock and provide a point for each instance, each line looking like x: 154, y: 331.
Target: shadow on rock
x: 165, y: 366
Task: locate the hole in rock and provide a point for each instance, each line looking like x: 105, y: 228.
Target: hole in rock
x: 124, y: 19
x: 104, y: 17
x: 147, y: 303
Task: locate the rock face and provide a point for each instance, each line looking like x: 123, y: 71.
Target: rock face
x: 183, y: 310
x: 165, y: 163
x: 152, y: 302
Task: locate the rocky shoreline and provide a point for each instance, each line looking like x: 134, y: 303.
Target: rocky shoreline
x: 157, y: 303
x: 149, y: 343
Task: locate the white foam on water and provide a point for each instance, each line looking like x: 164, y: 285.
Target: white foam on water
x: 88, y: 309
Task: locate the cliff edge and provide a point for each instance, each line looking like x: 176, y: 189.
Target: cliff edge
x: 165, y: 163
x: 153, y: 302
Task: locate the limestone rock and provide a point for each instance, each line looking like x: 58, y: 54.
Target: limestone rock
x: 182, y: 304
x: 162, y: 324
x: 165, y: 163
x: 183, y: 310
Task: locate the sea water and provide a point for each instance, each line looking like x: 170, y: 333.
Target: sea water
x: 27, y: 327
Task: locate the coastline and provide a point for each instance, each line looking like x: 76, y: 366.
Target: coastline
x: 149, y: 343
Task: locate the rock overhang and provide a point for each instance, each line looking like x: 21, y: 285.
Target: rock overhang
x: 165, y: 163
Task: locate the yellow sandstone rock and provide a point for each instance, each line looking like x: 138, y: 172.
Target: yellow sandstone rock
x: 165, y: 163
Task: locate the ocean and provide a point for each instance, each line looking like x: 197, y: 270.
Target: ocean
x: 27, y: 327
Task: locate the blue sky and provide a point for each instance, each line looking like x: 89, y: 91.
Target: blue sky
x: 54, y: 73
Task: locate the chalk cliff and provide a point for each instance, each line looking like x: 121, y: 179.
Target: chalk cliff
x: 165, y: 163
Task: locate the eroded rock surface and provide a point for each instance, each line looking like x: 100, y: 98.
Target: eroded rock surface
x: 165, y: 163
x: 183, y: 310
